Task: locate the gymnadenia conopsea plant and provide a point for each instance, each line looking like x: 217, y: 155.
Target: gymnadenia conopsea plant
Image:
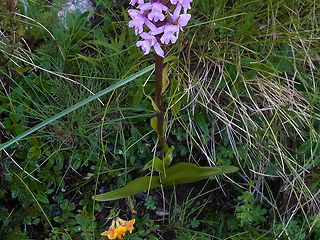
x: 158, y: 22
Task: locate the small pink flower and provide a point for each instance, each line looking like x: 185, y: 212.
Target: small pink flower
x: 170, y: 34
x: 183, y: 20
x: 137, y: 21
x: 157, y: 10
x: 148, y: 42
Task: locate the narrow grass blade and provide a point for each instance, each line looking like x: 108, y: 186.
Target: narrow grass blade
x: 76, y: 106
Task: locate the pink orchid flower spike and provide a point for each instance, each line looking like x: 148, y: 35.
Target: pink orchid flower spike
x: 158, y: 22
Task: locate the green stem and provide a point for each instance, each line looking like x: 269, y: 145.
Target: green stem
x: 159, y: 103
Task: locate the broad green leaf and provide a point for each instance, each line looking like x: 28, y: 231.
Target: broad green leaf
x: 157, y: 165
x: 168, y: 158
x: 76, y: 106
x: 138, y: 185
x: 182, y: 173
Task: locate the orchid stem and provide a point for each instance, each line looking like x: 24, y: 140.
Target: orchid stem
x: 159, y: 102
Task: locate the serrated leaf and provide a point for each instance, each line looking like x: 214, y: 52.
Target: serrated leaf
x: 182, y: 173
x: 168, y: 158
x: 138, y: 185
x: 157, y: 165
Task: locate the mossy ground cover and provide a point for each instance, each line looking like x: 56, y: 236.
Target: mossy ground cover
x: 243, y: 91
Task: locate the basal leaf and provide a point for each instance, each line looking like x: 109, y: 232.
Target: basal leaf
x: 182, y: 173
x: 138, y: 185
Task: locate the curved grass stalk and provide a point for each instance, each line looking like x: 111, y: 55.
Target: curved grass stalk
x: 76, y: 106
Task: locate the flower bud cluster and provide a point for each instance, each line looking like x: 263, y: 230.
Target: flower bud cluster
x: 158, y: 22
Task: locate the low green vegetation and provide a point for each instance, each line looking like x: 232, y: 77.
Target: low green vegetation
x: 243, y: 91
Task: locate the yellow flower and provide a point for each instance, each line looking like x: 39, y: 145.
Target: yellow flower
x: 118, y: 228
x: 110, y: 233
x: 129, y: 225
x: 120, y: 232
